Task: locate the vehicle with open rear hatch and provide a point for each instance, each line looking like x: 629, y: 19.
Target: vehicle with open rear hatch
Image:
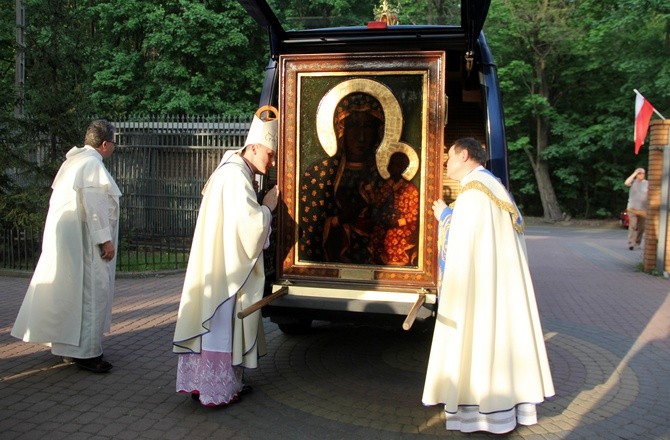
x: 365, y: 112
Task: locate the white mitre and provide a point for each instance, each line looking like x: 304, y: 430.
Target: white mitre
x: 264, y: 128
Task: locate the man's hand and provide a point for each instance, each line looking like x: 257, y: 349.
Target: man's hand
x: 271, y: 198
x: 438, y: 207
x: 107, y: 251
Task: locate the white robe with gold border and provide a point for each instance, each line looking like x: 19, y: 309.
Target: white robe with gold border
x: 226, y: 263
x: 488, y: 357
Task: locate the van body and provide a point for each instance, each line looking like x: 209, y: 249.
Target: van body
x: 365, y: 113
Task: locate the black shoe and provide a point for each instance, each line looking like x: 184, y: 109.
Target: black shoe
x: 246, y: 389
x: 94, y: 365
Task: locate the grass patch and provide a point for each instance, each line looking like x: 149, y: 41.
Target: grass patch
x: 143, y: 261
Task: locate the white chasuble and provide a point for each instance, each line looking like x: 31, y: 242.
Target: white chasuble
x: 226, y: 264
x: 488, y: 350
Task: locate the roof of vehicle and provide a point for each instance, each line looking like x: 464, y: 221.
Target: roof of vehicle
x: 373, y: 36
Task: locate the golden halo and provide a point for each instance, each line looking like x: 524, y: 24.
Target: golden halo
x: 383, y: 156
x: 325, y: 128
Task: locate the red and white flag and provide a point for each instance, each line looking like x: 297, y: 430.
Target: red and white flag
x: 643, y: 112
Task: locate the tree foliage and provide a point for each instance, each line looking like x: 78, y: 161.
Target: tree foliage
x: 592, y: 54
x: 305, y: 14
x: 567, y: 69
x: 175, y: 57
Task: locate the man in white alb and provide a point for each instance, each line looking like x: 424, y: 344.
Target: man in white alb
x: 69, y: 302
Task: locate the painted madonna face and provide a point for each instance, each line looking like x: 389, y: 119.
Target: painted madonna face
x: 359, y: 123
x: 361, y: 136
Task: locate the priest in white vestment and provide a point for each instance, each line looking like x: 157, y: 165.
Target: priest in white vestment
x: 225, y: 273
x: 488, y: 363
x: 68, y: 304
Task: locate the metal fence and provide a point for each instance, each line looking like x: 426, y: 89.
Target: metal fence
x: 161, y: 167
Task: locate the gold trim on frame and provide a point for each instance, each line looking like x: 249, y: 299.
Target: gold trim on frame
x: 382, y: 76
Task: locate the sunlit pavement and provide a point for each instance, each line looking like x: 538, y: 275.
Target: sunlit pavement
x: 607, y: 328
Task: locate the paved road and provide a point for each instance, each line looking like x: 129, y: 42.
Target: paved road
x: 607, y: 327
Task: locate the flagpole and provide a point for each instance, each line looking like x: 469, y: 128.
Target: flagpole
x: 655, y: 111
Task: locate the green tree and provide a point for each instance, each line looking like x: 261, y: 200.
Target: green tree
x: 105, y: 58
x: 308, y: 14
x: 568, y: 70
x: 176, y: 57
x: 7, y: 53
x: 623, y: 47
x: 532, y: 37
x: 33, y: 145
x: 432, y: 12
x: 57, y: 88
x: 8, y: 161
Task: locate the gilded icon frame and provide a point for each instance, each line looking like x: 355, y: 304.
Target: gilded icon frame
x: 410, y: 90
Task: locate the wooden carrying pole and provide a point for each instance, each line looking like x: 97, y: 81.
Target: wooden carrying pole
x: 411, y: 316
x: 263, y: 302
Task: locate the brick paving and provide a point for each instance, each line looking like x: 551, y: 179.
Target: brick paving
x: 607, y: 327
